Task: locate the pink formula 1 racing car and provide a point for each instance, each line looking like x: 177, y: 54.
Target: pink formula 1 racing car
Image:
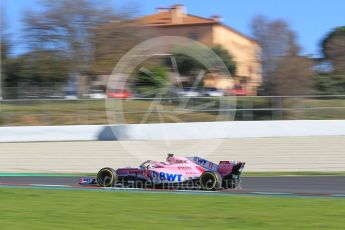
x: 176, y: 172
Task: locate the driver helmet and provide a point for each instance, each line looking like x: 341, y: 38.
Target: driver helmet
x: 170, y: 158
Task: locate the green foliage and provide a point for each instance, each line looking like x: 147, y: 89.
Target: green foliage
x: 35, y: 69
x: 152, y: 82
x: 189, y: 66
x: 333, y: 48
x: 4, y: 49
x: 339, y: 31
x: 5, y: 60
x: 330, y: 84
x: 226, y: 58
x: 12, y: 76
x: 185, y: 63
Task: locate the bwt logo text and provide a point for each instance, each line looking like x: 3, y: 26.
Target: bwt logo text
x: 163, y: 176
x: 200, y: 161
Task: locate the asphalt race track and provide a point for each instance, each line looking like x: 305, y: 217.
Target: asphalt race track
x: 333, y: 186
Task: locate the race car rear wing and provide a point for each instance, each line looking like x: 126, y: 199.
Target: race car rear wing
x: 237, y: 168
x: 230, y: 167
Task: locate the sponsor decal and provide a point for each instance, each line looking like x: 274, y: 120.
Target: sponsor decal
x: 184, y: 167
x: 130, y: 171
x: 164, y: 176
x: 135, y: 172
x: 200, y: 161
x: 181, y: 161
x: 193, y: 173
x: 203, y: 162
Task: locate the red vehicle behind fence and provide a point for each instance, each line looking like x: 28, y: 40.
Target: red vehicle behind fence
x: 118, y: 93
x: 237, y: 90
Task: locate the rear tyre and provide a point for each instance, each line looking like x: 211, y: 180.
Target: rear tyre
x: 210, y: 181
x: 106, y: 177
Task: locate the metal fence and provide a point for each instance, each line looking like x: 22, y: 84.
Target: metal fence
x: 35, y: 92
x: 177, y: 109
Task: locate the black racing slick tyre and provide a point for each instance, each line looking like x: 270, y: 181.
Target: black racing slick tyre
x: 106, y: 177
x: 210, y: 181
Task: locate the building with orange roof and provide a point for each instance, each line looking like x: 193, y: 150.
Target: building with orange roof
x: 175, y: 21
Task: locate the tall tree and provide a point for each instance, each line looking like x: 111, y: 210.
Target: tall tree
x: 333, y: 48
x: 112, y: 40
x: 273, y: 36
x: 5, y: 51
x: 285, y: 72
x: 41, y: 68
x: 293, y: 74
x: 332, y: 81
x: 4, y: 38
x: 33, y: 69
x: 65, y: 28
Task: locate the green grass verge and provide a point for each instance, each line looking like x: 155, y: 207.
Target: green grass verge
x: 62, y: 209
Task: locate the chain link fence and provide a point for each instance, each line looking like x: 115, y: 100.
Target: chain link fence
x: 72, y: 111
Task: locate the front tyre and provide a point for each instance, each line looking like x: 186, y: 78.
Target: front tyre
x: 106, y: 177
x: 210, y: 181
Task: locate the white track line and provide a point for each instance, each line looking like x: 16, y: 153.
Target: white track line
x: 50, y: 185
x: 339, y: 195
x: 272, y: 193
